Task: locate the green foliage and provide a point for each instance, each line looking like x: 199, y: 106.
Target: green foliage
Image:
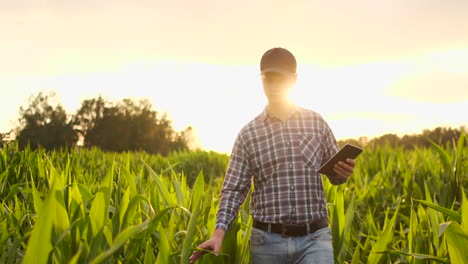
x: 128, y: 125
x: 212, y: 164
x: 90, y: 206
x: 46, y: 126
x: 440, y: 135
x: 4, y: 138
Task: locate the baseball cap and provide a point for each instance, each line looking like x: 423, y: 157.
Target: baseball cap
x: 278, y: 60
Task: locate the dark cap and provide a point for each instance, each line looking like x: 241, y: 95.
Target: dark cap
x: 278, y: 60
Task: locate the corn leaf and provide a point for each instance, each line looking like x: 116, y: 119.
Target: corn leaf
x: 383, y: 241
x: 190, y: 236
x: 441, y: 209
x: 419, y: 256
x: 457, y: 240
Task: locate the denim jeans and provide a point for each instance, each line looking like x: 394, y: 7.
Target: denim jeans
x: 272, y: 248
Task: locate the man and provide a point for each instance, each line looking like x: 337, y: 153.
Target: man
x: 282, y: 150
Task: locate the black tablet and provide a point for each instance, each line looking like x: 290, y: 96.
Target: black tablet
x: 348, y: 151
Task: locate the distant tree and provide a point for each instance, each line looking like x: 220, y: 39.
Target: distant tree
x: 360, y: 142
x: 3, y: 138
x: 41, y: 124
x: 129, y: 125
x: 387, y: 139
x: 439, y: 135
x: 90, y: 113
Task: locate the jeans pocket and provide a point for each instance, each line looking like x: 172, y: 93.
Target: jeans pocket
x: 257, y: 237
x: 323, y: 234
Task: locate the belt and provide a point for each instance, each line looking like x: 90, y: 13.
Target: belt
x: 288, y: 230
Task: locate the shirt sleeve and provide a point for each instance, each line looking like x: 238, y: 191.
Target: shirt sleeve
x: 329, y: 148
x: 236, y: 186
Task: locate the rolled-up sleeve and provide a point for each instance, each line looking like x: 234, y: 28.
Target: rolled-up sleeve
x: 237, y: 183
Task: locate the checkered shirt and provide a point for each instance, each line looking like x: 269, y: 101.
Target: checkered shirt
x: 282, y: 158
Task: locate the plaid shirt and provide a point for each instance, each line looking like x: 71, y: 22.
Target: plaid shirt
x: 283, y: 158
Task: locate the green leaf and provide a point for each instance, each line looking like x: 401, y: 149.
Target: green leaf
x: 245, y: 242
x: 209, y: 251
x: 168, y: 199
x: 164, y: 248
x: 441, y: 209
x: 40, y: 242
x: 178, y: 189
x: 198, y: 190
x: 419, y: 256
x: 124, y: 201
x: 36, y: 197
x: 85, y: 193
x: 131, y: 210
x: 149, y: 255
x: 464, y: 213
x: 10, y: 256
x: 97, y: 214
x: 190, y: 236
x: 346, y: 235
x: 119, y: 241
x: 356, y: 255
x: 459, y: 161
x: 383, y: 240
x: 61, y: 220
x: 444, y: 157
x: 129, y: 233
x: 457, y: 240
x: 76, y: 202
x: 76, y: 257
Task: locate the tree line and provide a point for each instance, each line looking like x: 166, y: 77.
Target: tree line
x: 132, y: 125
x: 439, y: 135
x: 126, y: 125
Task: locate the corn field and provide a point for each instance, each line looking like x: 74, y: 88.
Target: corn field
x: 88, y: 206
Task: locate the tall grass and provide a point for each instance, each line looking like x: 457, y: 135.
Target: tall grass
x: 88, y: 206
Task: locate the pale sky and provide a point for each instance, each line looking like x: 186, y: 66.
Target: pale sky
x: 369, y: 67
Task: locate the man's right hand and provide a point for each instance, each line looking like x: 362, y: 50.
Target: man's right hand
x: 214, y: 244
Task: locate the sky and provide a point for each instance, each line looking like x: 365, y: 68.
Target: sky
x: 368, y: 67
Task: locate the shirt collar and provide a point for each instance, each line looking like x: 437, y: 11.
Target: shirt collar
x: 265, y: 115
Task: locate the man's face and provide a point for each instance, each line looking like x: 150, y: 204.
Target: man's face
x: 277, y: 86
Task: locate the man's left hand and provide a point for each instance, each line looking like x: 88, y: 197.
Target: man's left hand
x: 344, y: 169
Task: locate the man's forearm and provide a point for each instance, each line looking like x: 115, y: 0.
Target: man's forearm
x: 228, y: 208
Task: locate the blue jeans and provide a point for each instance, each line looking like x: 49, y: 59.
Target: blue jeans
x: 271, y: 248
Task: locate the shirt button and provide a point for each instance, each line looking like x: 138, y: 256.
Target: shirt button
x: 290, y: 165
x: 292, y: 188
x: 294, y: 209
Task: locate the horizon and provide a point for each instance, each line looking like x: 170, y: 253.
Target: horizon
x: 368, y: 68
x: 196, y: 143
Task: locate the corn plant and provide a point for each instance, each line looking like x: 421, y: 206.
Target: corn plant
x: 89, y: 206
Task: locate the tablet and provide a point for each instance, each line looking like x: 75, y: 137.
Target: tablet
x: 348, y: 151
